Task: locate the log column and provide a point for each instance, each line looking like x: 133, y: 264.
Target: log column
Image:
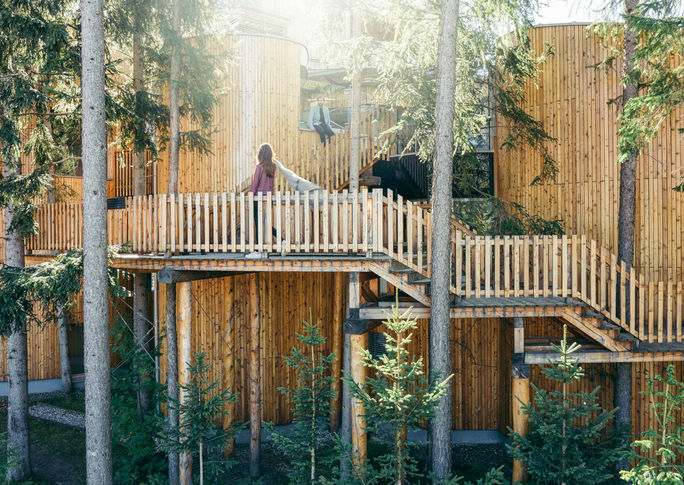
x: 353, y: 428
x: 520, y: 374
x: 229, y: 366
x: 184, y: 325
x: 254, y: 378
x: 336, y: 368
x: 358, y: 413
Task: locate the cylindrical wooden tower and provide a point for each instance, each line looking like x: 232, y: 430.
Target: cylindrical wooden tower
x: 571, y: 102
x: 258, y: 102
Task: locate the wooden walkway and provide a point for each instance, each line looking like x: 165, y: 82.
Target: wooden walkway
x: 390, y: 237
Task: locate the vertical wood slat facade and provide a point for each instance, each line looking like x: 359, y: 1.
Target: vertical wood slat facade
x: 570, y: 102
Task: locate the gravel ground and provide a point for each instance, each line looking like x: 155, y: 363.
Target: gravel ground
x: 58, y: 415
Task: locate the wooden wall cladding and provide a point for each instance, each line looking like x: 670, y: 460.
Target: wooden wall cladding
x: 570, y: 101
x: 259, y: 103
x: 221, y: 305
x: 603, y: 375
x: 480, y: 361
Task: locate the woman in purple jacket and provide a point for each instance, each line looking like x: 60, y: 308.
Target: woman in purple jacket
x: 263, y: 183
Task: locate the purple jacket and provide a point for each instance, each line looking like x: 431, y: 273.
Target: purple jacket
x: 262, y: 183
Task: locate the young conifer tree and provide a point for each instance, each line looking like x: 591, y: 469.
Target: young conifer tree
x: 312, y: 459
x: 658, y: 451
x: 400, y: 395
x: 199, y: 411
x: 567, y: 441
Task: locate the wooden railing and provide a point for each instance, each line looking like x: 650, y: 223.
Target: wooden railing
x: 328, y: 166
x: 568, y: 267
x: 221, y: 222
x: 370, y: 222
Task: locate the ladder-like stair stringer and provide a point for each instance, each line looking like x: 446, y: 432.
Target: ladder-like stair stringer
x: 576, y: 314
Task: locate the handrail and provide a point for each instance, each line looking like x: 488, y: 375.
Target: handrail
x: 370, y: 222
x: 328, y: 166
x: 568, y: 267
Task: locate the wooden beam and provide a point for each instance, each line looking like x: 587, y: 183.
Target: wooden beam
x: 520, y: 373
x: 370, y: 180
x: 419, y: 311
x: 229, y: 262
x: 336, y: 367
x: 184, y: 326
x: 254, y: 378
x: 601, y: 356
x: 358, y: 413
x: 170, y: 275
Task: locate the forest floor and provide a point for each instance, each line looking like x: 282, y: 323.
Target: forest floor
x: 58, y: 452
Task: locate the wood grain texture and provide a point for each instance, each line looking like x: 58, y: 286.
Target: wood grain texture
x: 571, y: 103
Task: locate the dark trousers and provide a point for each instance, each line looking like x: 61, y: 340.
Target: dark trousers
x: 324, y: 130
x: 257, y: 223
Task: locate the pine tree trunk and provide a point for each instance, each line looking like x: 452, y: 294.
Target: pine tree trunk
x: 65, y: 364
x: 142, y: 334
x: 440, y: 357
x: 17, y: 359
x: 355, y: 143
x: 95, y: 297
x: 623, y: 378
x: 172, y: 374
x: 171, y: 332
x: 254, y: 378
x: 141, y: 312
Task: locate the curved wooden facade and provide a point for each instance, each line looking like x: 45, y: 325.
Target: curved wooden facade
x: 259, y: 102
x: 571, y: 102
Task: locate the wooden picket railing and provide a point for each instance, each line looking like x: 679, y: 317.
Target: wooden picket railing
x: 328, y: 166
x: 370, y: 222
x: 568, y: 267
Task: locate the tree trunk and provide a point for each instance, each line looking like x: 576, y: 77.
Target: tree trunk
x: 95, y: 298
x: 65, y: 364
x: 141, y: 313
x: 171, y: 332
x: 186, y: 358
x: 142, y: 334
x: 17, y: 357
x: 254, y: 377
x: 623, y: 378
x: 354, y: 301
x: 440, y: 357
x: 172, y: 374
x: 355, y: 144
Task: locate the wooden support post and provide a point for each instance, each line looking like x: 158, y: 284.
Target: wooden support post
x: 254, y: 378
x: 518, y: 336
x: 335, y: 371
x: 229, y: 365
x: 520, y: 373
x: 358, y: 413
x: 184, y: 324
x: 354, y: 300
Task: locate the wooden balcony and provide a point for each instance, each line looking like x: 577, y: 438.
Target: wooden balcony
x: 394, y: 235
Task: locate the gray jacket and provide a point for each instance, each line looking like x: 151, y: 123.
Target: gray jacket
x: 315, y: 116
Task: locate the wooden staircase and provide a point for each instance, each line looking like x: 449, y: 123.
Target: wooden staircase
x: 578, y: 315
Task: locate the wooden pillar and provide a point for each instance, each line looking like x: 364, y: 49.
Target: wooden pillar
x: 184, y: 325
x: 518, y: 336
x: 336, y: 368
x: 229, y: 364
x: 520, y: 373
x: 254, y: 378
x: 358, y: 413
x: 354, y: 300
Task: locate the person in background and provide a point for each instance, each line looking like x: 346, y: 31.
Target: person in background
x: 262, y: 183
x: 319, y: 120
